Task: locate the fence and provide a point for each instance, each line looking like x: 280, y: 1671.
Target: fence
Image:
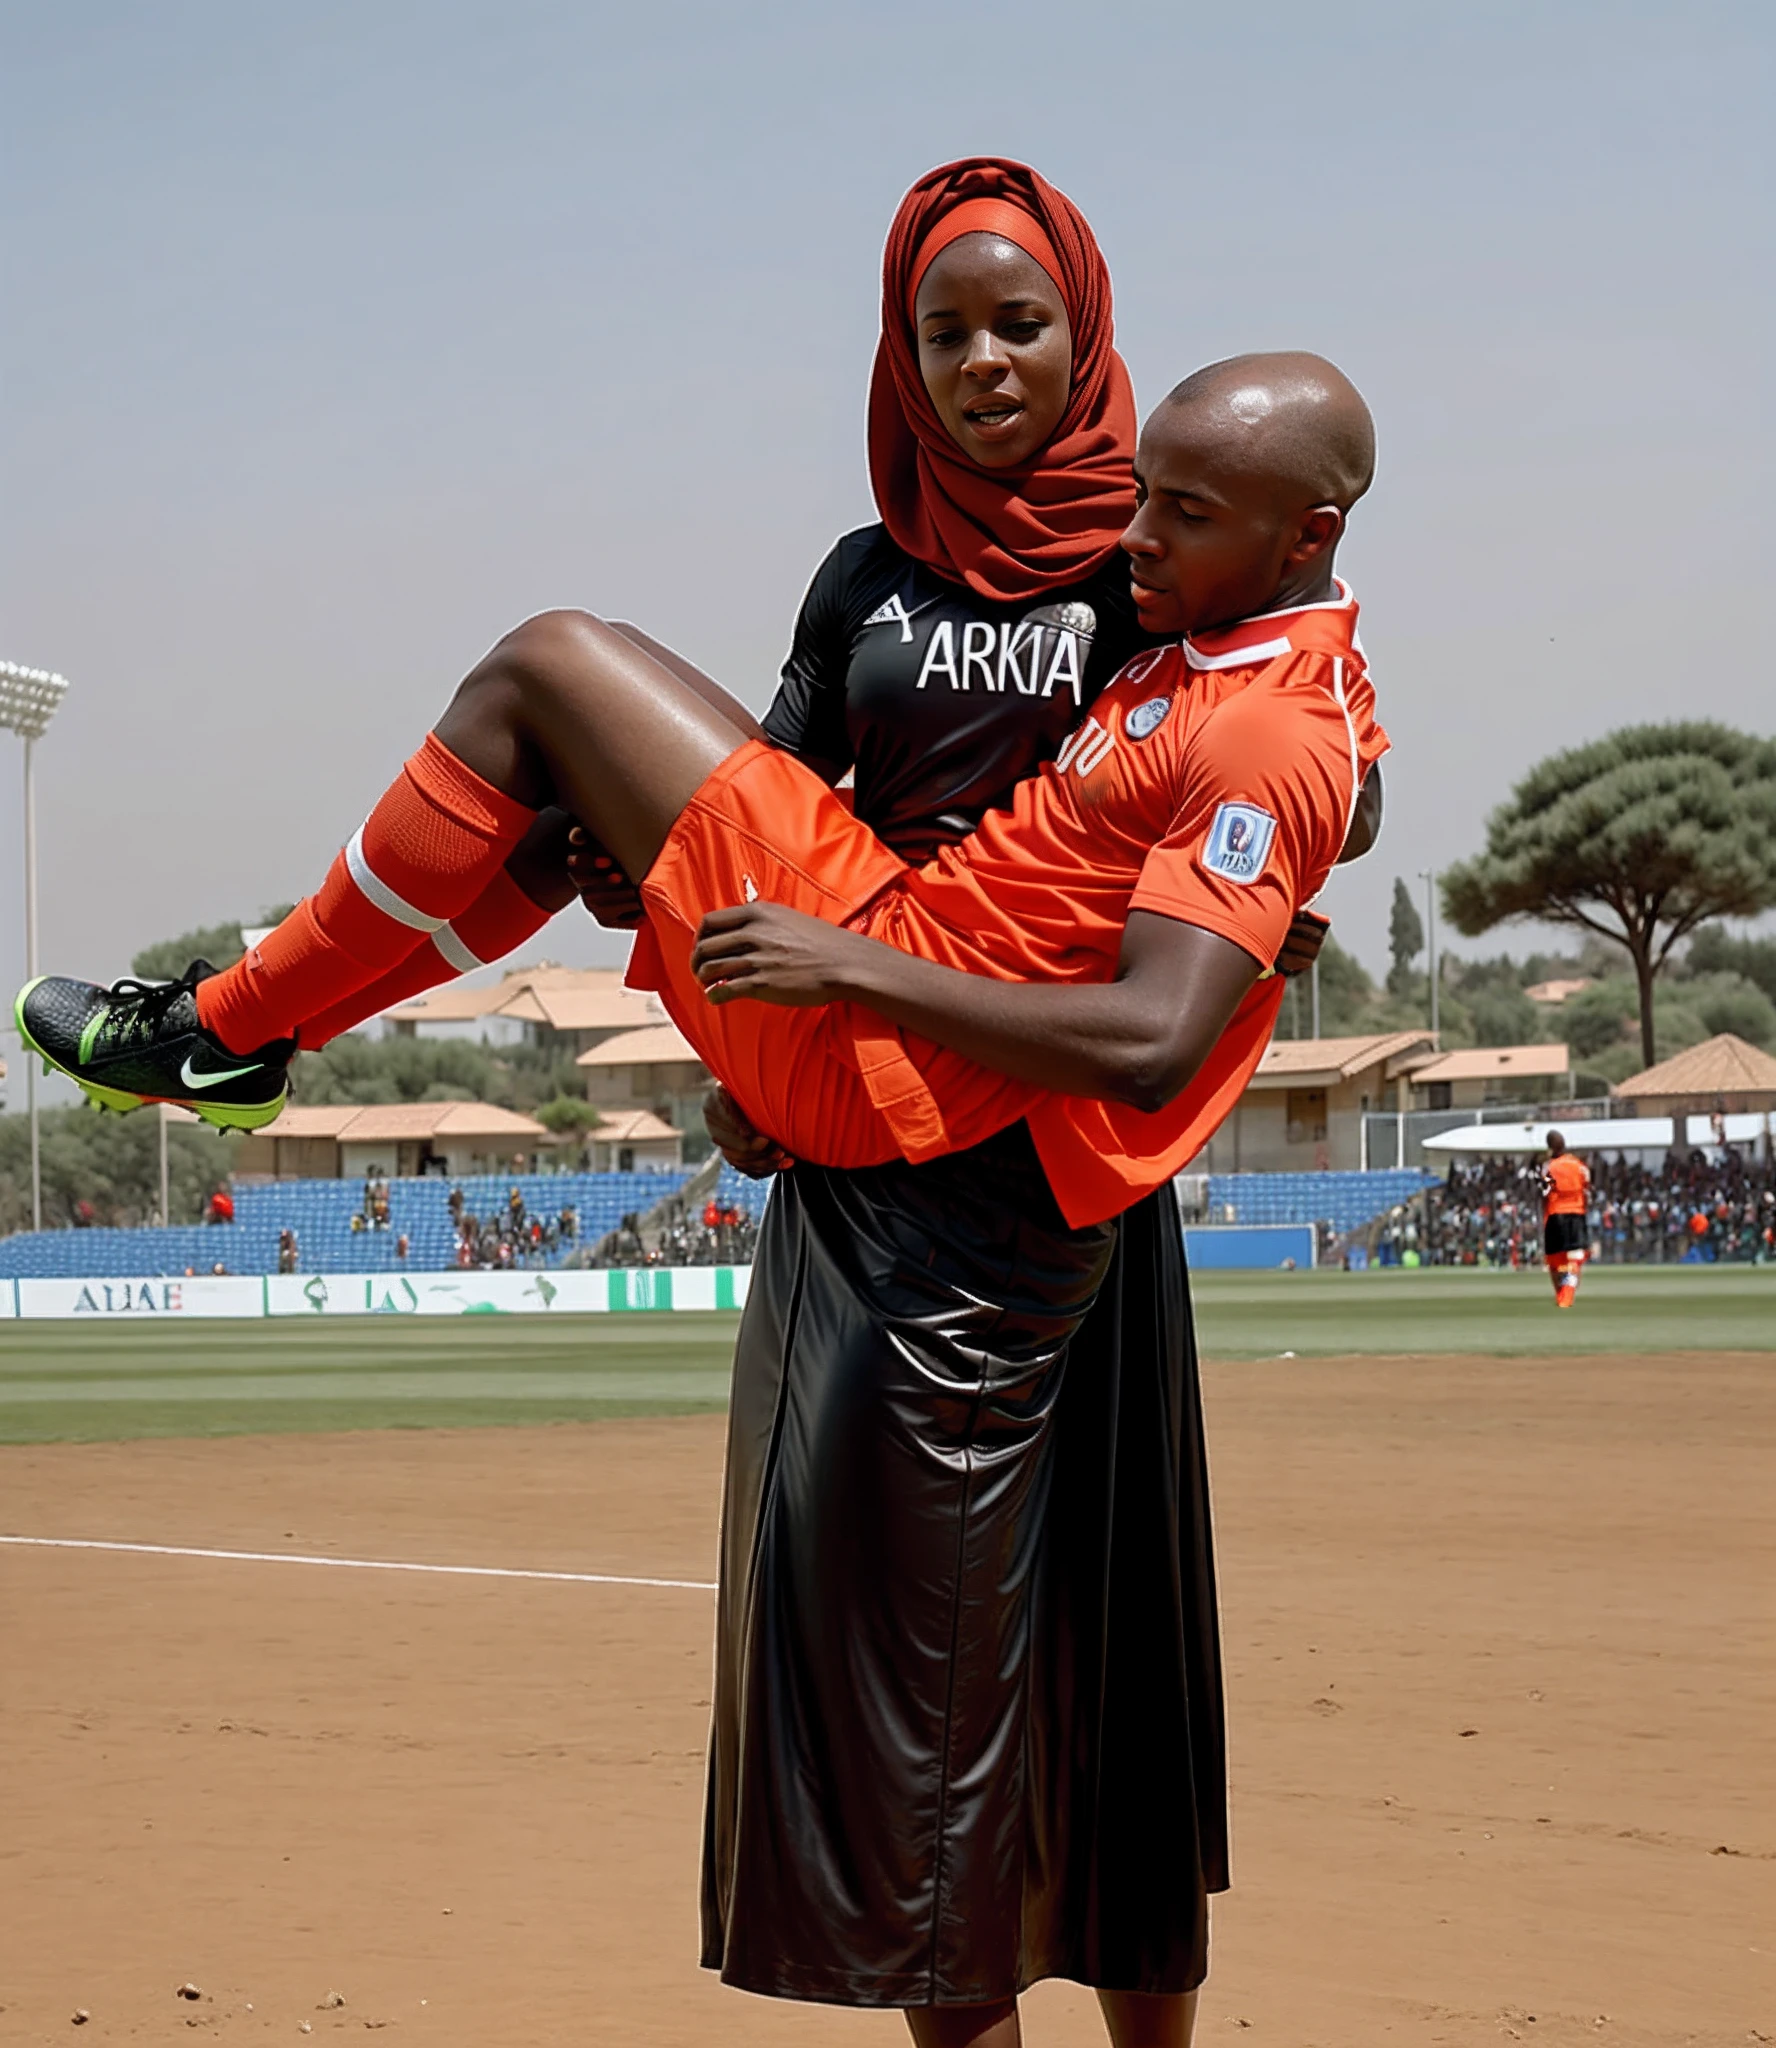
x: 1388, y: 1139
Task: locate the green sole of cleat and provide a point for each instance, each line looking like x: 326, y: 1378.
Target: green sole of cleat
x: 222, y: 1117
x: 219, y: 1116
x: 111, y: 1098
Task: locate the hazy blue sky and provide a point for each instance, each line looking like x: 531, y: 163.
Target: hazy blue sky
x: 338, y: 338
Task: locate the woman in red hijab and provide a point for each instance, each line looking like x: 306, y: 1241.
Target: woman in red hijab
x: 967, y: 1728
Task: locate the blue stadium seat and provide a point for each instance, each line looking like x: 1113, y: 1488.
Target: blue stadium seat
x: 320, y: 1213
x: 1344, y: 1200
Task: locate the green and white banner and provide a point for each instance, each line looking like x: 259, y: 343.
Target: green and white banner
x: 618, y: 1290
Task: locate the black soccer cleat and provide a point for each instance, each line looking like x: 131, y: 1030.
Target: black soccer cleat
x: 140, y: 1041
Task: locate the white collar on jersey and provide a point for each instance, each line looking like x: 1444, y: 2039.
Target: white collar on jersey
x: 1250, y: 651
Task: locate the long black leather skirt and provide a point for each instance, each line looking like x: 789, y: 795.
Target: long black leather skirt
x: 967, y: 1715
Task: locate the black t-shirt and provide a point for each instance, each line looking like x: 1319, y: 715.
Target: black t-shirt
x: 939, y: 700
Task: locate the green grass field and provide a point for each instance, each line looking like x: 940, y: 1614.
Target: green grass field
x: 92, y: 1381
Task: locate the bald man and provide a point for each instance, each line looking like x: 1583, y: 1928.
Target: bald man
x: 1094, y: 960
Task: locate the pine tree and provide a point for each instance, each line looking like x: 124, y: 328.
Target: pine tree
x: 1642, y: 837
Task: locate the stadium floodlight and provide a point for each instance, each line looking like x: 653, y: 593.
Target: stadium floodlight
x: 29, y: 699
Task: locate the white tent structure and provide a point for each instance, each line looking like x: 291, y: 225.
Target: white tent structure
x: 1604, y: 1134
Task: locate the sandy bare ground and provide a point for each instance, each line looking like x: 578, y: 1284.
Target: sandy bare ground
x: 1502, y: 1664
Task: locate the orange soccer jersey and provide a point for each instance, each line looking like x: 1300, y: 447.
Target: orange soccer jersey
x: 1568, y: 1180
x: 1213, y: 782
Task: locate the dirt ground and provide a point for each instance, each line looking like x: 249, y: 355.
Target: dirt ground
x: 1501, y: 1643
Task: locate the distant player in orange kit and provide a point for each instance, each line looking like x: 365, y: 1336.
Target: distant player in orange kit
x: 1566, y: 1182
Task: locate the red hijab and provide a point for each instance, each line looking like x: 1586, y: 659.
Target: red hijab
x: 1006, y: 533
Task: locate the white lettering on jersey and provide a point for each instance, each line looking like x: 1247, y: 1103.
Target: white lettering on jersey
x: 940, y: 656
x: 1011, y: 643
x: 1065, y: 667
x: 1084, y: 747
x: 894, y: 613
x: 1141, y: 665
x: 1239, y: 842
x: 977, y: 645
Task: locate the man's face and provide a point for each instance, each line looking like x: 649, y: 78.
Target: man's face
x: 1213, y: 539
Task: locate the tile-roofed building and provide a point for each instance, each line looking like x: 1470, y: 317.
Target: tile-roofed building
x: 652, y: 1043
x: 341, y: 1140
x: 577, y: 1007
x: 1483, y: 1074
x: 1724, y: 1072
x: 633, y: 1141
x: 1303, y: 1109
x: 655, y: 1067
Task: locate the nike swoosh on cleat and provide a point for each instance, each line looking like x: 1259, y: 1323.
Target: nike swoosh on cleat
x: 193, y: 1080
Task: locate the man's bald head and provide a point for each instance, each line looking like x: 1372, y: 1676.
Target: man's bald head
x: 1292, y: 417
x: 1246, y: 473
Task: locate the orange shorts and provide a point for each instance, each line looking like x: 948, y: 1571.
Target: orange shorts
x: 835, y: 1085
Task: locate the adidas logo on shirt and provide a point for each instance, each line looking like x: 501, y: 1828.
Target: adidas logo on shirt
x: 893, y: 613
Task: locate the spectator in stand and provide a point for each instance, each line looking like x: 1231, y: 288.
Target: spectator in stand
x: 286, y: 1251
x: 220, y: 1207
x: 401, y: 1248
x: 454, y: 1203
x: 719, y: 1236
x: 568, y: 1224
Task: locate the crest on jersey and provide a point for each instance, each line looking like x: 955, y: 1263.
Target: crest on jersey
x: 1239, y: 842
x: 1146, y: 718
x: 1071, y: 617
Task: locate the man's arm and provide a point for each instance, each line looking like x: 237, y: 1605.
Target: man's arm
x: 1138, y: 1039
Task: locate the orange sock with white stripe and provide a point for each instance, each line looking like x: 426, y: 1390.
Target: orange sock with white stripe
x: 501, y: 917
x: 436, y: 839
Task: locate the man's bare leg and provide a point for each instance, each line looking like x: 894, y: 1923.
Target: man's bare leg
x: 570, y: 712
x: 564, y: 713
x: 693, y: 678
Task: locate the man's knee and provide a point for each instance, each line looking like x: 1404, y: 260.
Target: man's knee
x: 529, y: 675
x: 547, y: 648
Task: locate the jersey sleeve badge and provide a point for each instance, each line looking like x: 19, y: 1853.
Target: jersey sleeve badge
x: 1146, y: 718
x: 1239, y: 842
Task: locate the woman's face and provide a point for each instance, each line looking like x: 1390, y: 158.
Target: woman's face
x: 995, y: 349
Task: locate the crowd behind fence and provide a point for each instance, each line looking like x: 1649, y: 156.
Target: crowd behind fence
x: 1694, y: 1208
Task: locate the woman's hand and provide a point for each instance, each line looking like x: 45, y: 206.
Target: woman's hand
x: 603, y: 887
x: 748, y: 1151
x: 774, y: 955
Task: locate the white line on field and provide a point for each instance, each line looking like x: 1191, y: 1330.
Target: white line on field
x: 357, y: 1564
